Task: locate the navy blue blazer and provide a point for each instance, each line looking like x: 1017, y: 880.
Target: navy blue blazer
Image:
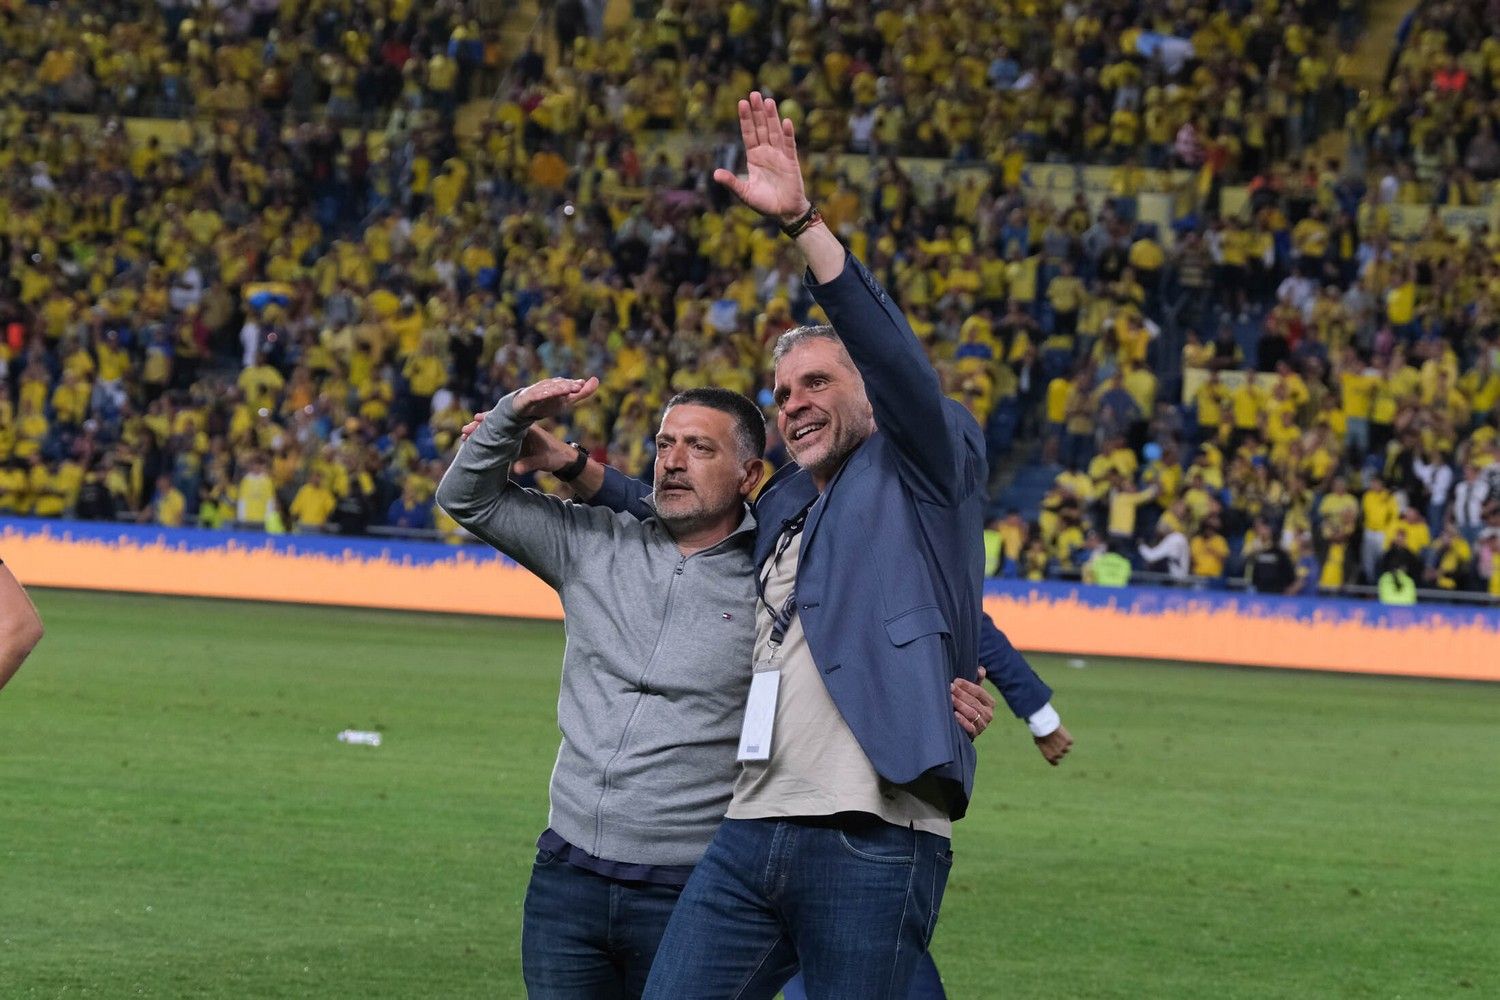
x: 890, y: 573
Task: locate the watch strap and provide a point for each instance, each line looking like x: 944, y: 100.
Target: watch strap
x: 574, y: 469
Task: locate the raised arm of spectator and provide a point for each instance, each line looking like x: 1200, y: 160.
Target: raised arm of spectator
x: 622, y: 494
x: 20, y: 625
x: 943, y: 462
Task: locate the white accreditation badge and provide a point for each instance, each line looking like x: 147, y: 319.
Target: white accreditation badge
x: 760, y: 712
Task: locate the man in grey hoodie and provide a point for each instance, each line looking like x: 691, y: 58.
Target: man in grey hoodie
x: 660, y: 622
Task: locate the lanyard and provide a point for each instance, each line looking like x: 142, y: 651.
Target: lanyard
x: 781, y: 618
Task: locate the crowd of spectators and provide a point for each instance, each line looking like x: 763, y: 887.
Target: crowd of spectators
x: 172, y: 57
x: 1342, y: 419
x: 1434, y: 125
x: 1339, y: 424
x: 284, y: 326
x: 1235, y: 87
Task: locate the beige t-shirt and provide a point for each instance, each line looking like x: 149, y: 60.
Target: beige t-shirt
x: 816, y: 766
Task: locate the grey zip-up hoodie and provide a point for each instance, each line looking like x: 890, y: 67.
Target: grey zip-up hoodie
x: 658, y: 659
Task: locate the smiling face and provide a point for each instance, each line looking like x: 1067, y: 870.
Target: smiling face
x: 702, y: 477
x: 823, y: 413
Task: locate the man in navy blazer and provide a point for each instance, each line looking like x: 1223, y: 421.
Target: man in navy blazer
x: 836, y: 847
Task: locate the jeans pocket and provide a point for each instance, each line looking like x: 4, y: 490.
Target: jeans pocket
x: 544, y: 858
x: 881, y: 842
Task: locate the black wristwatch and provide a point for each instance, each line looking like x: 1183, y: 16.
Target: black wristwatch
x: 574, y: 469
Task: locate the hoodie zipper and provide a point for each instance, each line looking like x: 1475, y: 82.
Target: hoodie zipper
x: 640, y: 697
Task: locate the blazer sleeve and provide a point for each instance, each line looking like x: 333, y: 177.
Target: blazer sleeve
x: 1023, y: 691
x: 623, y: 495
x: 925, y: 427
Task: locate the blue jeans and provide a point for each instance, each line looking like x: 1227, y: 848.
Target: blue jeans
x: 587, y: 937
x: 852, y: 899
x: 926, y: 984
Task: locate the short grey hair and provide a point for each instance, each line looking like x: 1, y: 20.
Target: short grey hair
x: 797, y: 336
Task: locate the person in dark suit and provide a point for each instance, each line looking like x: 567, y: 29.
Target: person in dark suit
x: 836, y: 847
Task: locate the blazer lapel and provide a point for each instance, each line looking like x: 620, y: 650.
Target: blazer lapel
x: 789, y: 491
x: 856, y: 462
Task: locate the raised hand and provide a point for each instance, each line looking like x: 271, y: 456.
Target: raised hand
x: 547, y: 398
x: 552, y: 397
x: 540, y: 451
x: 773, y: 186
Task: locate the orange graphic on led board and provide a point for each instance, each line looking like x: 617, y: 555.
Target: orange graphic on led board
x: 461, y: 584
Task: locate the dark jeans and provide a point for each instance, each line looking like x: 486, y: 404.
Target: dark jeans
x: 926, y: 984
x: 853, y: 899
x: 586, y: 937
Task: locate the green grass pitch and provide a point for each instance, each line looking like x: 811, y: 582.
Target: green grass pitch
x: 177, y: 819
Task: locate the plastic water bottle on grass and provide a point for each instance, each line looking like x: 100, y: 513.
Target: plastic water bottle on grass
x: 361, y: 736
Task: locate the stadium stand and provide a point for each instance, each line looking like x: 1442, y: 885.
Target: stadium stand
x: 277, y: 314
x: 975, y: 79
x: 348, y: 61
x: 1431, y: 126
